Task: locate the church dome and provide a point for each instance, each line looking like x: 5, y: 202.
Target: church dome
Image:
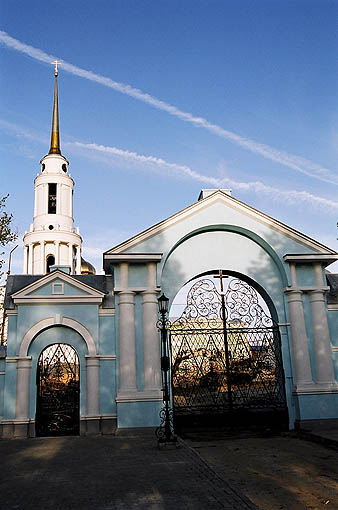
x: 87, y: 267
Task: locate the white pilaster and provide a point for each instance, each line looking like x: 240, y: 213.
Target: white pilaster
x: 22, y: 388
x: 93, y: 395
x: 57, y: 252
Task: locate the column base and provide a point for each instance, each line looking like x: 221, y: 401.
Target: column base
x: 315, y: 388
x: 140, y: 396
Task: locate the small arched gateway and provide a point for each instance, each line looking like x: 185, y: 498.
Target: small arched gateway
x: 52, y: 381
x: 58, y: 391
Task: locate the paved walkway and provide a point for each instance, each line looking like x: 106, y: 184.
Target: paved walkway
x: 109, y: 473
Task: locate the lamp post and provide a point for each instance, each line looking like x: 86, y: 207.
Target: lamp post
x: 164, y: 432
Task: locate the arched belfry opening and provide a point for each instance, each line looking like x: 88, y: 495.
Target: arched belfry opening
x: 50, y: 261
x: 226, y: 357
x: 58, y: 391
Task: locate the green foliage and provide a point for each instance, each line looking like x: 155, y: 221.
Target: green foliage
x: 7, y: 234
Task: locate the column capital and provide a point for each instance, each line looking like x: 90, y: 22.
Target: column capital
x: 126, y: 297
x: 150, y: 294
x: 293, y: 290
x: 318, y: 292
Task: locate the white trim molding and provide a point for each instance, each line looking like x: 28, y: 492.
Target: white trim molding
x: 106, y: 312
x: 11, y: 313
x: 301, y: 258
x: 46, y: 323
x: 220, y: 197
x: 133, y: 257
x: 90, y: 295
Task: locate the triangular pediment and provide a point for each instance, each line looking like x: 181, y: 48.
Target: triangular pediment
x: 230, y: 207
x: 58, y: 287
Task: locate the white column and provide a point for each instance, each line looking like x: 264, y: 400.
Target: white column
x: 151, y: 339
x: 30, y: 258
x: 57, y: 252
x: 300, y: 348
x: 321, y: 334
x: 78, y: 260
x: 127, y: 338
x: 25, y: 260
x: 42, y: 258
x: 70, y: 256
x: 93, y: 395
x: 22, y: 388
x: 127, y: 343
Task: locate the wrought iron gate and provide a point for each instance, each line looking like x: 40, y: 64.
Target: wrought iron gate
x: 226, y: 353
x: 58, y: 391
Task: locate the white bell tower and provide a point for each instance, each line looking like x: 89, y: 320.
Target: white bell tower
x: 51, y: 239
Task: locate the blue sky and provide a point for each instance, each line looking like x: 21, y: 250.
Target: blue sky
x: 159, y: 99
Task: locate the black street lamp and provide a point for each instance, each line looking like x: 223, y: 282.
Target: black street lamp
x: 164, y: 432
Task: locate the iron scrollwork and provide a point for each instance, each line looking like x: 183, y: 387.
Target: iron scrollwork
x: 58, y: 391
x: 225, y: 351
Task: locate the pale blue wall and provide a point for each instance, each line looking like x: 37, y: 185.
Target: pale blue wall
x: 2, y: 385
x: 29, y: 315
x: 69, y: 290
x: 333, y: 327
x: 138, y: 414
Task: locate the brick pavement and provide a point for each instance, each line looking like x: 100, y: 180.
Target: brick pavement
x: 109, y: 473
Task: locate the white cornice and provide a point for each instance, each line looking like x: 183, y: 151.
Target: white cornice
x: 307, y: 258
x: 134, y: 257
x: 234, y: 203
x: 11, y: 312
x: 54, y: 300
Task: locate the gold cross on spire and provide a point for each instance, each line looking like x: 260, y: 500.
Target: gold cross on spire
x: 56, y: 63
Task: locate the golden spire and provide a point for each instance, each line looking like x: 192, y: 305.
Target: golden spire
x: 55, y: 137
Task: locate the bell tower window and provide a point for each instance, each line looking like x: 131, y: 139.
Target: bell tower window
x: 50, y: 262
x: 52, y: 198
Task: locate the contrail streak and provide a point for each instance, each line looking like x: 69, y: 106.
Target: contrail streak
x: 289, y: 196
x: 292, y: 161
